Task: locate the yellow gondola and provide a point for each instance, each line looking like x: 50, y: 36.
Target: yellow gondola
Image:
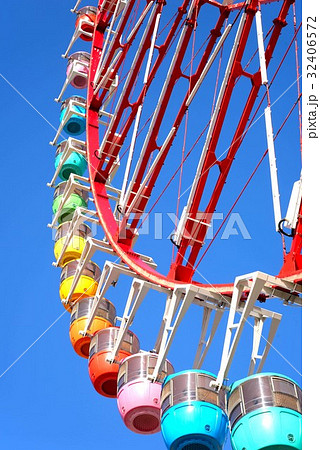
x: 76, y: 245
x: 87, y: 284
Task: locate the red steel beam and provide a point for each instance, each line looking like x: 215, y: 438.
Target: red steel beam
x: 293, y: 260
x: 111, y: 149
x: 176, y: 75
x: 226, y: 163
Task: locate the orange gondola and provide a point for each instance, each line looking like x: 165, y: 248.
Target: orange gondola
x: 105, y: 317
x: 103, y: 374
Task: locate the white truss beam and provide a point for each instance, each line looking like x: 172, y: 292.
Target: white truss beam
x: 257, y: 282
x: 204, y: 345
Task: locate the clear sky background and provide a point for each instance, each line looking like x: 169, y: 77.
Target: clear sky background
x: 47, y: 398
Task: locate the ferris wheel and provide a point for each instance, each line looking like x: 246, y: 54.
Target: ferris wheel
x: 173, y: 92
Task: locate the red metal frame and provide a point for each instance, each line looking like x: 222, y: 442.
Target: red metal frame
x: 100, y: 166
x: 225, y: 164
x: 292, y: 266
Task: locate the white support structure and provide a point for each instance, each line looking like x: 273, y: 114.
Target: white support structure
x: 77, y: 32
x: 151, y: 49
x: 177, y: 305
x: 109, y: 277
x: 105, y: 53
x: 91, y: 246
x: 130, y: 156
x: 273, y: 168
x: 206, y: 315
x: 204, y: 345
x: 146, y: 178
x: 258, y: 326
x: 257, y: 333
x: 256, y: 282
x: 179, y: 300
x: 262, y: 58
x: 109, y: 75
x: 71, y: 146
x: 209, y: 64
x: 119, y: 7
x: 113, y: 171
x: 75, y: 8
x: 181, y: 228
x: 112, y: 90
x: 268, y: 123
x: 139, y: 289
x: 140, y: 20
x: 138, y: 115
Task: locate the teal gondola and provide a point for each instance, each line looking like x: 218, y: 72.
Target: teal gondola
x: 75, y: 163
x: 265, y: 413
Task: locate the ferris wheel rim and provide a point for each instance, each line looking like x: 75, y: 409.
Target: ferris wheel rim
x: 107, y: 220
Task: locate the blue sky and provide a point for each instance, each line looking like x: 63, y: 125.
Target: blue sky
x: 48, y: 401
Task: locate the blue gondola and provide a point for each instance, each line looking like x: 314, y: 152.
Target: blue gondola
x: 76, y: 124
x: 193, y: 414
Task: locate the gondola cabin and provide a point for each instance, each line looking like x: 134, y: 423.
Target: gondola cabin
x: 78, y: 69
x: 68, y: 250
x: 103, y: 374
x: 192, y: 412
x: 72, y: 115
x: 79, y: 197
x: 75, y: 163
x: 265, y: 413
x: 105, y: 317
x: 87, y: 284
x: 138, y: 397
x: 86, y: 17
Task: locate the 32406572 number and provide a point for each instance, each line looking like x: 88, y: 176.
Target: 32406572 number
x: 311, y: 47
